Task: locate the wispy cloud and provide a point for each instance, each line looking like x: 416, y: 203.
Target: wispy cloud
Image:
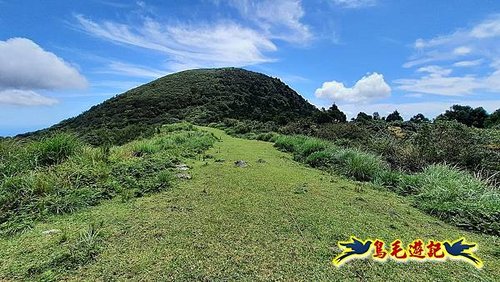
x: 470, y: 63
x: 437, y: 58
x: 354, y: 3
x: 279, y: 19
x: 133, y: 70
x: 187, y: 46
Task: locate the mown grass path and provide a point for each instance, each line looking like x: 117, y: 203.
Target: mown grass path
x: 272, y: 220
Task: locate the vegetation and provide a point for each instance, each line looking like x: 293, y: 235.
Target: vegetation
x: 457, y: 197
x: 394, y: 116
x: 131, y: 145
x: 452, y: 195
x: 333, y: 114
x: 273, y: 220
x: 58, y: 175
x: 466, y: 115
x: 200, y: 96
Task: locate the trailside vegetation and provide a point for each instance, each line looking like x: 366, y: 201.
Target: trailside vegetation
x: 59, y: 174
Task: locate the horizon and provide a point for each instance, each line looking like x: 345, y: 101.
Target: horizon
x: 58, y: 59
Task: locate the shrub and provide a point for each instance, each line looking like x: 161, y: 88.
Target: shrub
x: 323, y: 158
x: 449, y: 142
x: 339, y: 132
x: 309, y: 146
x: 268, y: 136
x: 144, y: 147
x: 14, y: 158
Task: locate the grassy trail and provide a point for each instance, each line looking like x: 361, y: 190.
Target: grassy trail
x: 272, y: 220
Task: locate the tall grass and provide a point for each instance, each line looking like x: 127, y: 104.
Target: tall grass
x: 349, y: 162
x: 301, y: 146
x: 458, y: 197
x: 55, y: 149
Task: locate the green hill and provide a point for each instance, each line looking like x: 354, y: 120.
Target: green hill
x: 201, y: 96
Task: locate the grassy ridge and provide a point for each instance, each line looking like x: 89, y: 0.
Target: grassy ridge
x: 61, y: 175
x: 273, y: 220
x: 451, y: 194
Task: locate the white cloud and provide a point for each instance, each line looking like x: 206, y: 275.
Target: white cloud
x: 435, y: 71
x: 222, y: 44
x: 481, y: 39
x: 488, y: 28
x: 471, y: 63
x: 25, y: 65
x: 355, y: 3
x: 369, y: 87
x: 437, y: 58
x: 440, y: 85
x: 280, y: 19
x: 462, y: 50
x: 25, y: 98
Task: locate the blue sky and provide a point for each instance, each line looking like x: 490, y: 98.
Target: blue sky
x: 58, y: 58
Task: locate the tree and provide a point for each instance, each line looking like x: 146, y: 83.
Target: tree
x: 376, y: 116
x: 336, y: 114
x: 333, y: 114
x: 363, y: 117
x: 478, y: 117
x: 466, y: 115
x: 493, y: 119
x: 394, y: 116
x: 419, y: 118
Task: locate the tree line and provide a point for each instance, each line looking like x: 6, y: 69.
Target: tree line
x: 472, y: 117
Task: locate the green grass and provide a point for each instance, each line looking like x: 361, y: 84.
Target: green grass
x: 67, y: 175
x: 453, y: 195
x: 301, y: 146
x: 458, y: 197
x: 272, y: 220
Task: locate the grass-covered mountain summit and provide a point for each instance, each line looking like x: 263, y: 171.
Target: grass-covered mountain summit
x: 201, y: 96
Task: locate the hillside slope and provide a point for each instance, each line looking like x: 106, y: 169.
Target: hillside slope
x: 201, y: 96
x: 272, y: 220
